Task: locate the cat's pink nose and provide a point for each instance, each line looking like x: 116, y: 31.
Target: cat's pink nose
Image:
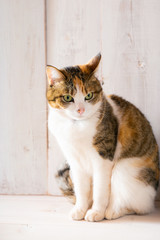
x: 81, y: 110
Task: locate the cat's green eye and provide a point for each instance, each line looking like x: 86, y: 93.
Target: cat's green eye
x: 89, y: 96
x: 68, y: 98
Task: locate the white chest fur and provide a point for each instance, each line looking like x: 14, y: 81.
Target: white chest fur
x: 74, y: 137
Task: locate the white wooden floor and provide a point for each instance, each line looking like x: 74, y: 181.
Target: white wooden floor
x: 45, y: 217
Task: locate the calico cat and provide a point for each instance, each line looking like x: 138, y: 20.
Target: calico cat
x: 112, y: 156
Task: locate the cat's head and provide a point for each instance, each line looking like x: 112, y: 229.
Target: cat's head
x: 75, y: 90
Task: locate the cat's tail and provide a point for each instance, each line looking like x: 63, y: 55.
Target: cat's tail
x: 65, y: 182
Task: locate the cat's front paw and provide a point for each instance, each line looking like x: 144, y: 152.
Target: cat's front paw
x: 94, y: 215
x: 77, y: 213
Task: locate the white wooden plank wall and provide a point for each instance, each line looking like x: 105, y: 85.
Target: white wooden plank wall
x: 127, y: 32
x: 23, y: 138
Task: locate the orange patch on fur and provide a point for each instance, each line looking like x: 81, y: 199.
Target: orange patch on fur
x: 125, y: 134
x: 54, y: 104
x: 80, y: 84
x: 84, y: 68
x: 128, y: 129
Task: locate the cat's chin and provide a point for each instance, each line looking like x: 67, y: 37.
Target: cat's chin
x: 80, y: 118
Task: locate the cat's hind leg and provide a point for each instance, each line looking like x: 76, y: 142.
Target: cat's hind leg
x: 129, y: 195
x: 115, y: 211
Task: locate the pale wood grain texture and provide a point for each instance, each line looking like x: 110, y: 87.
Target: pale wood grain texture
x: 23, y: 142
x: 47, y: 218
x: 127, y: 33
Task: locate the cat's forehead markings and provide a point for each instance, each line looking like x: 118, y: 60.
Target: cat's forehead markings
x: 73, y: 71
x: 79, y: 96
x: 79, y: 84
x: 77, y: 81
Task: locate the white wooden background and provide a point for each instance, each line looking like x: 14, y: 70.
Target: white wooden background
x: 127, y: 32
x: 23, y: 134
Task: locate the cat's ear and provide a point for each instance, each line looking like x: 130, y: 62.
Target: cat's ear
x: 92, y: 65
x: 54, y: 75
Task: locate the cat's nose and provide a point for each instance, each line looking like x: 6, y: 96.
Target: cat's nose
x: 81, y: 110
